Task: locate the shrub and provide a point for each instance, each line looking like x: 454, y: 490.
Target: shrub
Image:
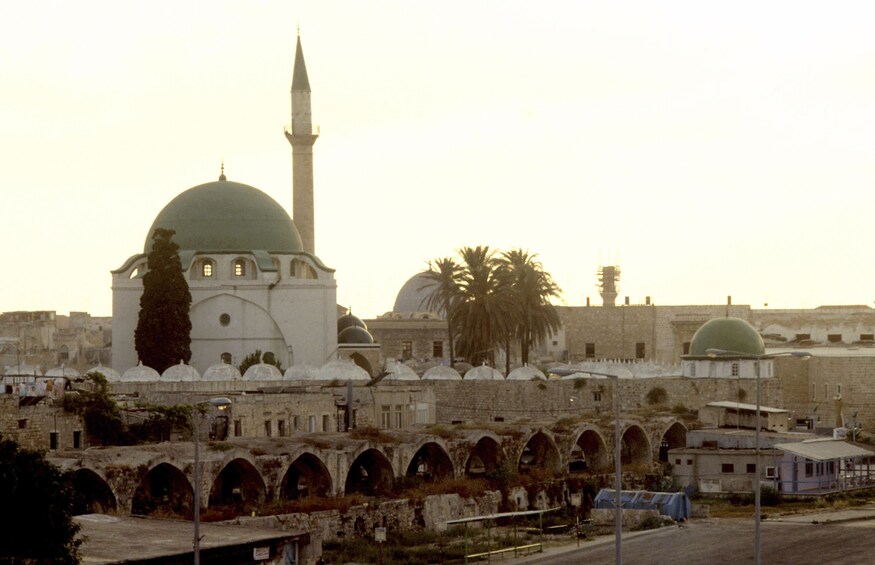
x: 657, y: 395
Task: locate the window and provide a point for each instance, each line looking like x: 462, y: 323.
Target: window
x: 406, y: 349
x: 809, y: 468
x: 771, y: 472
x: 735, y: 369
x: 267, y: 428
x: 296, y: 423
x: 437, y: 349
x: 385, y: 417
x: 834, y: 338
x: 399, y: 416
x: 803, y: 337
x: 596, y: 396
x: 238, y: 428
x: 813, y: 391
x: 281, y: 428
x: 677, y: 461
x: 22, y: 423
x: 207, y: 269
x: 826, y: 391
x: 312, y: 421
x: 225, y: 319
x: 239, y: 267
x: 752, y: 468
x: 727, y: 468
x: 867, y: 337
x: 326, y: 423
x: 689, y: 461
x: 839, y: 390
x: 686, y: 348
x: 590, y: 350
x: 64, y: 354
x: 53, y: 440
x: 639, y: 350
x: 77, y: 439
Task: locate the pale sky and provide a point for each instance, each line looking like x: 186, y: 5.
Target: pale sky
x: 708, y: 149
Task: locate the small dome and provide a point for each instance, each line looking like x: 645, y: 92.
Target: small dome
x: 396, y: 371
x: 180, y: 372
x: 62, y: 371
x: 413, y: 296
x: 221, y: 372
x: 483, y: 373
x: 349, y: 321
x: 342, y: 370
x: 442, y: 373
x: 728, y: 334
x: 140, y: 374
x: 301, y: 372
x: 111, y: 374
x: 526, y: 374
x: 354, y: 335
x: 24, y: 370
x: 262, y: 372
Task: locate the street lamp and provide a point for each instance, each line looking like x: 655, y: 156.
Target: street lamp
x: 221, y: 403
x: 757, y: 357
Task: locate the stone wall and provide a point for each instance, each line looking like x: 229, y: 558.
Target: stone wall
x: 32, y: 425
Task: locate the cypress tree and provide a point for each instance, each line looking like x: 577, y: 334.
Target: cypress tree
x: 163, y: 334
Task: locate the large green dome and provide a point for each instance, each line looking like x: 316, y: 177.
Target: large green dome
x: 225, y: 216
x: 728, y: 334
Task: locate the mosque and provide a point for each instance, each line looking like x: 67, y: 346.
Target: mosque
x: 254, y: 276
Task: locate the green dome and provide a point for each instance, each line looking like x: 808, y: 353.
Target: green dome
x: 225, y: 216
x: 729, y: 334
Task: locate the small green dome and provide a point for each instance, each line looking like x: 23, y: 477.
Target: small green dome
x: 728, y: 334
x: 225, y: 216
x: 355, y: 335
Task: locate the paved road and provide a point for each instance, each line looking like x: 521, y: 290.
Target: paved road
x: 730, y: 541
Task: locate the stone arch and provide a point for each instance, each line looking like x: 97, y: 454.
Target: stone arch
x: 91, y: 493
x: 430, y: 463
x: 306, y: 476
x: 674, y: 436
x: 164, y: 489
x: 369, y: 474
x: 238, y: 483
x: 539, y: 452
x: 635, y: 446
x: 589, y: 452
x: 486, y: 456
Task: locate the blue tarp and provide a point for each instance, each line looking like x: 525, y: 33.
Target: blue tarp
x: 675, y: 505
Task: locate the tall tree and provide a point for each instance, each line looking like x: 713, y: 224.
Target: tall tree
x: 443, y: 286
x: 38, y: 508
x: 532, y: 289
x: 163, y: 334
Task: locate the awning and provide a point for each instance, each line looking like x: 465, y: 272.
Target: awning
x: 824, y: 449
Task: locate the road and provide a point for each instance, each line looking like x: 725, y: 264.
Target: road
x: 730, y: 541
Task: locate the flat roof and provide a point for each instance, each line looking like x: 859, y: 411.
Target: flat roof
x: 743, y: 406
x: 119, y: 539
x: 824, y: 449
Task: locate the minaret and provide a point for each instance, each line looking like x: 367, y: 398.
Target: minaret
x: 302, y: 135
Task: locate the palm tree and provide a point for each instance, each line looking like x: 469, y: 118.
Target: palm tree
x: 442, y: 275
x: 532, y: 289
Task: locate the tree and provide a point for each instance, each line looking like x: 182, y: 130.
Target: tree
x: 443, y: 286
x: 163, y: 334
x: 256, y: 357
x: 532, y: 288
x: 38, y: 505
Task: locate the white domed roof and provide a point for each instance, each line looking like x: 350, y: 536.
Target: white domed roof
x: 526, y: 373
x: 24, y: 370
x: 483, y: 373
x: 442, y: 373
x: 140, y: 374
x: 413, y: 296
x: 108, y: 372
x: 221, y: 372
x: 63, y: 371
x: 180, y: 372
x: 342, y: 370
x: 399, y: 372
x: 262, y: 372
x: 301, y: 372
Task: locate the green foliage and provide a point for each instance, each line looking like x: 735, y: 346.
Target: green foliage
x: 770, y: 496
x: 161, y: 422
x: 742, y: 394
x: 100, y: 413
x: 38, y: 509
x: 163, y: 334
x: 657, y: 395
x: 257, y: 357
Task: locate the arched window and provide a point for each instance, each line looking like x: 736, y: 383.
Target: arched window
x: 207, y: 269
x: 239, y: 267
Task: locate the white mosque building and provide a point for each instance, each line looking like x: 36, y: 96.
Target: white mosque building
x: 254, y: 277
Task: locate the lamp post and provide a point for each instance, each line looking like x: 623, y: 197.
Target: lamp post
x: 221, y: 403
x: 758, y: 358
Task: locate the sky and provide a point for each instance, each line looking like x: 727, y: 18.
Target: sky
x: 708, y: 149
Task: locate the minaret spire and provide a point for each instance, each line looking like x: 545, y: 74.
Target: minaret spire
x: 302, y: 135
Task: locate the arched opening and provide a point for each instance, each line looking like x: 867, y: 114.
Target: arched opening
x: 539, y: 453
x: 430, y: 463
x: 484, y: 458
x: 675, y: 436
x: 361, y: 361
x: 635, y: 448
x: 369, y: 474
x: 165, y: 490
x: 589, y: 454
x: 237, y: 485
x: 307, y: 476
x: 91, y: 494
x: 301, y: 270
